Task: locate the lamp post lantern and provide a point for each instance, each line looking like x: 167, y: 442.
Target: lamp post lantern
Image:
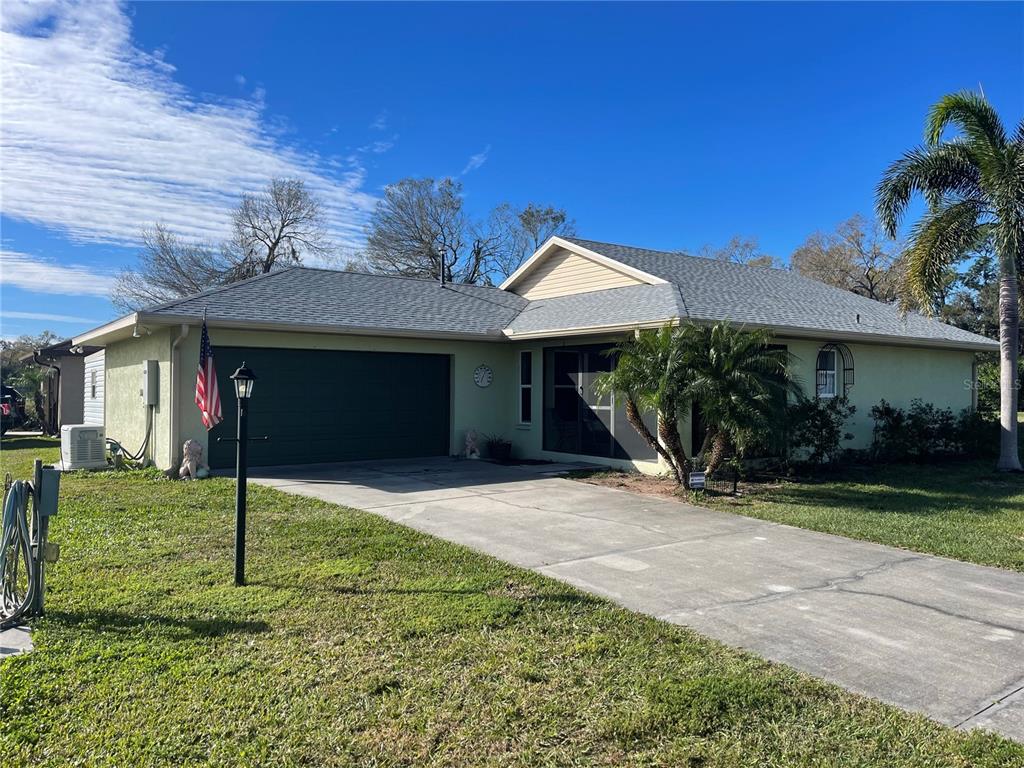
x: 244, y: 379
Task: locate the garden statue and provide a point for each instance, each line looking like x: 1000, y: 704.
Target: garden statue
x: 472, y: 449
x: 192, y: 466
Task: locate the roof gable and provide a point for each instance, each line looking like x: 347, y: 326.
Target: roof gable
x: 562, y: 267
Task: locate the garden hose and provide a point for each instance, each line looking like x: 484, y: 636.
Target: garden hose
x: 116, y: 447
x: 15, y: 550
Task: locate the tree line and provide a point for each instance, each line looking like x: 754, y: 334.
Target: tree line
x: 420, y: 228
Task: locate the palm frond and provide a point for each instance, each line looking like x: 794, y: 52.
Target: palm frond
x: 981, y: 128
x: 934, y: 172
x: 970, y: 112
x: 943, y: 236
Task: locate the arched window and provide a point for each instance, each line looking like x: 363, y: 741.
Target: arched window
x: 833, y: 371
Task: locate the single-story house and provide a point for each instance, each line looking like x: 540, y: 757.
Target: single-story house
x: 357, y: 366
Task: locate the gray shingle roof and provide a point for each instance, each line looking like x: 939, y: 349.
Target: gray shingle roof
x: 320, y: 297
x: 617, y: 306
x: 696, y: 288
x: 716, y: 290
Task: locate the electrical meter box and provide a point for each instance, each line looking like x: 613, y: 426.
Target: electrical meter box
x: 150, y: 383
x: 48, y: 491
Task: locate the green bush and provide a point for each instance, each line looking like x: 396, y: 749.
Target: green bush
x: 924, y: 432
x: 988, y: 382
x: 978, y: 434
x: 816, y: 429
x: 988, y: 385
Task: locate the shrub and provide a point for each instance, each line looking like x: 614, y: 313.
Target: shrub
x: 978, y: 435
x: 498, y: 448
x: 816, y: 428
x: 932, y: 429
x: 988, y: 384
x: 924, y: 431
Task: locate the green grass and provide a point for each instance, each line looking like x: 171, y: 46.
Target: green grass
x: 962, y: 510
x: 363, y: 643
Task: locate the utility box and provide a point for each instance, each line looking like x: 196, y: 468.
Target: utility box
x: 150, y: 383
x: 82, y: 446
x: 48, y: 491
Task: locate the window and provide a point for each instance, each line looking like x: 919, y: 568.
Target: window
x: 92, y: 384
x: 825, y: 373
x: 526, y: 387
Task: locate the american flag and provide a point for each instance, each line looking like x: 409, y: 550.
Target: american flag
x: 207, y: 394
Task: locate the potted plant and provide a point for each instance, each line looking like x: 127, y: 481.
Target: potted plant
x: 499, y: 449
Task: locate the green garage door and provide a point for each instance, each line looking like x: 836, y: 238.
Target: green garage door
x: 322, y: 406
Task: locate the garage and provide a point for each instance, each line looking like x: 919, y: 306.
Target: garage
x: 325, y: 406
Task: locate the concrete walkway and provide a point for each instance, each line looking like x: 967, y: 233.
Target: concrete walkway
x: 925, y: 633
x: 14, y: 641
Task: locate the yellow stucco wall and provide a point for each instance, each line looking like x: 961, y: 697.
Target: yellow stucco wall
x: 124, y: 413
x: 899, y: 374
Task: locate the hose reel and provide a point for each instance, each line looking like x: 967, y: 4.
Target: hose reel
x: 24, y: 546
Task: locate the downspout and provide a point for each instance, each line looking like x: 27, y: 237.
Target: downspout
x: 175, y: 431
x: 974, y: 385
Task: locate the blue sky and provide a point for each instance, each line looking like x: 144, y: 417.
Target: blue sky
x: 666, y: 126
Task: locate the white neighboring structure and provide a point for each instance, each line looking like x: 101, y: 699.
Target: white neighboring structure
x: 94, y: 368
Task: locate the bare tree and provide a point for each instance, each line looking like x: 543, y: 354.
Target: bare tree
x: 740, y: 250
x: 283, y: 223
x: 526, y: 230
x: 280, y: 225
x: 856, y: 257
x: 421, y: 229
x: 168, y: 268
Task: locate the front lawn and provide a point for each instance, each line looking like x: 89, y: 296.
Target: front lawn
x: 360, y: 642
x: 962, y: 510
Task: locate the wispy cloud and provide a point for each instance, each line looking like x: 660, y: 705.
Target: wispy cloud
x: 46, y: 316
x: 99, y: 140
x: 475, y: 161
x: 33, y: 273
x: 379, y: 147
x: 380, y: 122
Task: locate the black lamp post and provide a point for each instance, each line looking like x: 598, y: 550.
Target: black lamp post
x: 243, y: 378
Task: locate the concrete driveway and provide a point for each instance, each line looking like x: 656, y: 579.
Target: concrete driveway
x: 927, y: 634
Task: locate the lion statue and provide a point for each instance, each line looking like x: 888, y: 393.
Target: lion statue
x: 472, y: 448
x: 192, y: 466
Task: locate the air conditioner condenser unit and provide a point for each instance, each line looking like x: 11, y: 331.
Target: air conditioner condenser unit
x: 83, y: 446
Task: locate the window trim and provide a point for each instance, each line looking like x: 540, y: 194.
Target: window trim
x: 521, y: 387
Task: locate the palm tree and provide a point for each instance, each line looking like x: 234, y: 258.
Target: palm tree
x: 648, y: 379
x: 974, y: 187
x: 740, y: 381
